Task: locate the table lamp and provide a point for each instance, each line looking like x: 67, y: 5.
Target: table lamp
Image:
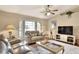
x: 10, y: 29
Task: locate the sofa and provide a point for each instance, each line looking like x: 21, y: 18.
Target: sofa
x: 34, y: 35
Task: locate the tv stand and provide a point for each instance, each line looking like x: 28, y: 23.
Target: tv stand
x: 70, y: 39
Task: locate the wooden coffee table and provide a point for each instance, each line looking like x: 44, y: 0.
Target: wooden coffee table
x: 53, y: 47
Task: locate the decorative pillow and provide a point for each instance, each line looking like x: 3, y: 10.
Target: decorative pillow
x: 15, y: 42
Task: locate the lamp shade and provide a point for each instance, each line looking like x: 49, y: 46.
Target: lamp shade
x: 10, y: 27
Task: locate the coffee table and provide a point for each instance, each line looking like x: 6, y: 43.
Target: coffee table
x: 53, y: 47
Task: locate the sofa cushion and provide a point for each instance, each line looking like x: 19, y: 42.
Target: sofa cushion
x: 37, y: 38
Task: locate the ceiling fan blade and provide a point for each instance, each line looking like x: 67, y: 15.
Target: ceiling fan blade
x: 62, y: 13
x: 55, y: 10
x: 43, y: 11
x: 53, y: 13
x: 67, y: 13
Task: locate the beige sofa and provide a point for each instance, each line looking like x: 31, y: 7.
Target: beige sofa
x: 35, y: 35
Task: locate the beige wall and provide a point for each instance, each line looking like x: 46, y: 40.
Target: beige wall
x: 14, y: 19
x: 64, y: 20
x: 11, y: 18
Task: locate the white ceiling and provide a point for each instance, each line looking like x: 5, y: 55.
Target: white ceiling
x: 35, y: 10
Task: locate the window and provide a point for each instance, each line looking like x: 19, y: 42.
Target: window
x: 28, y: 26
x: 38, y: 27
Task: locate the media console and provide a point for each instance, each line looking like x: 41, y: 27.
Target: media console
x: 66, y: 38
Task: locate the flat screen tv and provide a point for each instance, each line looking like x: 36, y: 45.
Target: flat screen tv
x: 65, y: 30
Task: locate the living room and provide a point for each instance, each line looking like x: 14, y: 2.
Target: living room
x: 20, y: 21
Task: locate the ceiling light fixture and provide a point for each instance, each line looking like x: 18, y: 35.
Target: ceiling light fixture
x: 48, y: 13
x: 48, y: 10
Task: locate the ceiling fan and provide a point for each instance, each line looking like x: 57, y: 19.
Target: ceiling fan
x: 48, y: 10
x: 69, y: 13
